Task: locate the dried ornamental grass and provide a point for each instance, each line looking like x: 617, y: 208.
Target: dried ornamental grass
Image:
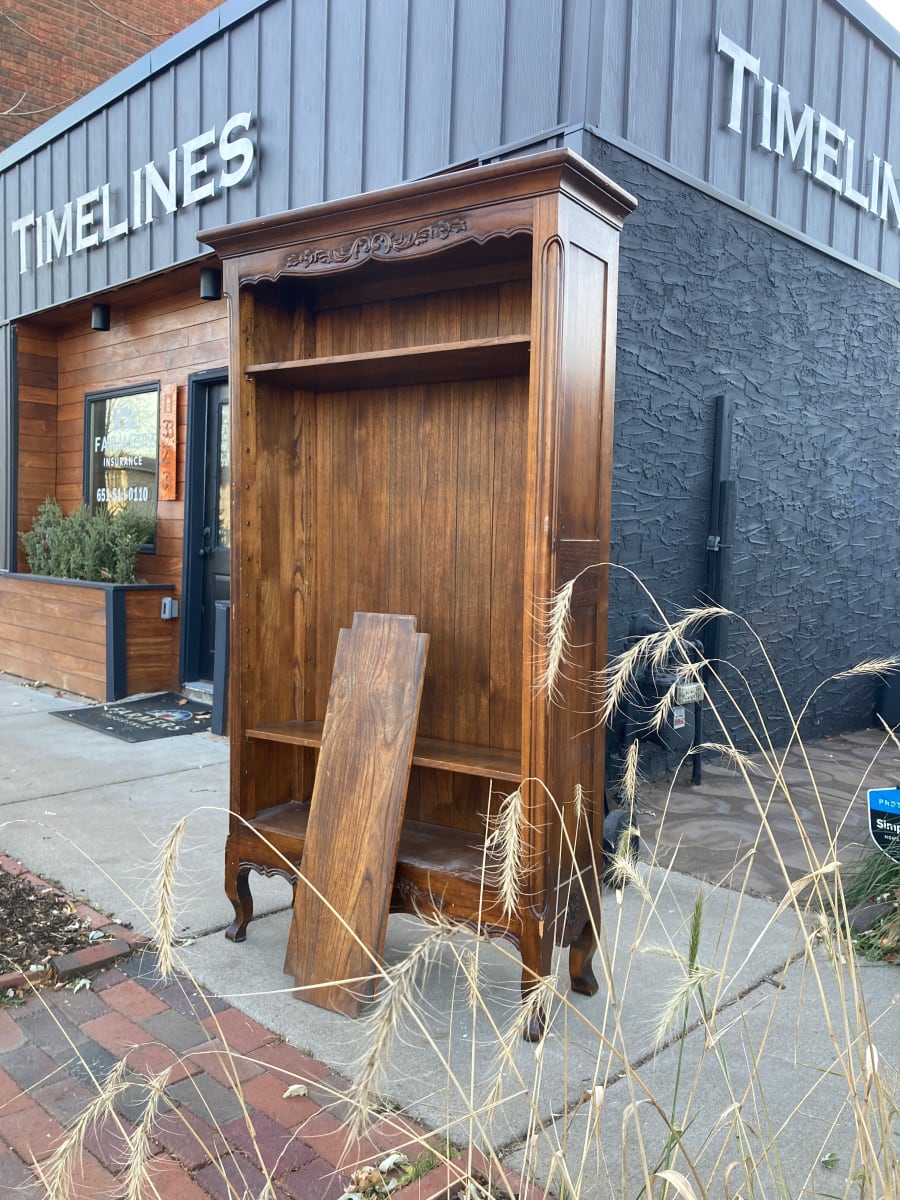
x: 644, y: 1126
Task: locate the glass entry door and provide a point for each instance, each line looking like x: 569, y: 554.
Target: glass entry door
x: 215, y: 537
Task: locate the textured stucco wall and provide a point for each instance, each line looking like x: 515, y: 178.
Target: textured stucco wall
x: 710, y: 301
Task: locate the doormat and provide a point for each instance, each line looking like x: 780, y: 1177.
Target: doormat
x: 164, y: 715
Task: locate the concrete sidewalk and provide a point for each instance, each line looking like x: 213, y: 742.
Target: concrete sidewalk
x: 83, y: 808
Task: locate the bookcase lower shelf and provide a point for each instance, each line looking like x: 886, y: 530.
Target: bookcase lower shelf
x: 438, y: 869
x: 433, y: 865
x: 439, y: 872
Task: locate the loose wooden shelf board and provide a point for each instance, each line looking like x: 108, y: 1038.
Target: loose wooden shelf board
x: 359, y: 793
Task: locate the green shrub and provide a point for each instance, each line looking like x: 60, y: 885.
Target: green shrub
x: 875, y: 879
x: 100, y: 547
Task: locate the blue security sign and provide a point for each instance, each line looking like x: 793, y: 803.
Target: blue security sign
x: 884, y: 820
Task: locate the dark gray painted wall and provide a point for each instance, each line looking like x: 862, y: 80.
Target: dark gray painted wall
x: 710, y: 301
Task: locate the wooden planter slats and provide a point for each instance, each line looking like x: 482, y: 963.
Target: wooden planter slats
x: 101, y: 640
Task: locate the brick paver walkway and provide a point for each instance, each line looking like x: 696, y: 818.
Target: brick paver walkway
x: 226, y: 1126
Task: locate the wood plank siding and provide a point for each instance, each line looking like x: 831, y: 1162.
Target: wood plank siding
x: 151, y: 644
x: 98, y: 640
x: 160, y: 332
x: 38, y: 425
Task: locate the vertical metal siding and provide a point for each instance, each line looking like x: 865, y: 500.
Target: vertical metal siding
x: 188, y: 104
x: 649, y: 59
x: 350, y: 95
x: 43, y: 192
x: 824, y: 97
x: 478, y: 76
x: 878, y: 120
x: 574, y: 57
x: 24, y: 198
x: 795, y: 73
x: 116, y: 134
x: 309, y: 79
x: 657, y: 85
x: 345, y: 97
x: 890, y: 242
x: 384, y: 108
x: 726, y: 153
x: 853, y: 115
x: 429, y: 69
x: 137, y: 125
x: 534, y: 35
x: 761, y: 170
x: 608, y: 102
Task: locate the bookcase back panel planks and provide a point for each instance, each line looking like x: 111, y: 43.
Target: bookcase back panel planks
x: 422, y: 424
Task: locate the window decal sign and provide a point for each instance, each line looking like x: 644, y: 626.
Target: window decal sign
x: 121, y: 452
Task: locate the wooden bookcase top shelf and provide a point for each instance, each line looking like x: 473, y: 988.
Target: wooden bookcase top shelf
x: 480, y: 358
x: 483, y: 761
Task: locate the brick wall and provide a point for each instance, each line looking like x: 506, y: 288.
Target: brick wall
x: 54, y: 51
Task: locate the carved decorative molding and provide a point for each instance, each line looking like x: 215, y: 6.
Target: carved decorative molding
x: 244, y: 868
x: 379, y: 244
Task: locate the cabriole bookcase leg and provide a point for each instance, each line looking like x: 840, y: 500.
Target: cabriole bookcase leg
x: 581, y: 956
x: 237, y: 889
x: 536, y: 948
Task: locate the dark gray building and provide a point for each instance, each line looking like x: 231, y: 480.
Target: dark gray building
x: 762, y: 140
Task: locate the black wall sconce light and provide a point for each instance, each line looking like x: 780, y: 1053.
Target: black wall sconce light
x: 100, y: 317
x: 210, y: 284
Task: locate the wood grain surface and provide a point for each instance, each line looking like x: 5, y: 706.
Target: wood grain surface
x: 341, y: 907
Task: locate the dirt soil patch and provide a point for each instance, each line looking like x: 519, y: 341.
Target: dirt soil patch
x: 37, y: 925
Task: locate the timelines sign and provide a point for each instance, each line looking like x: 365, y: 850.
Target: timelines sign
x: 195, y: 171
x: 812, y: 140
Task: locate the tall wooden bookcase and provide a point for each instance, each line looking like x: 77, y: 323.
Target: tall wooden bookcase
x: 422, y: 417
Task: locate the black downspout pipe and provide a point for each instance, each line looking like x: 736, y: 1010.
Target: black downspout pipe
x: 719, y: 548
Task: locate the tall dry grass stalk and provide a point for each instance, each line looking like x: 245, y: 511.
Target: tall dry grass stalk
x: 137, y: 1181
x: 505, y: 851
x: 61, y: 1170
x: 731, y: 1051
x: 557, y: 625
x: 398, y: 993
x: 165, y: 876
x: 828, y: 966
